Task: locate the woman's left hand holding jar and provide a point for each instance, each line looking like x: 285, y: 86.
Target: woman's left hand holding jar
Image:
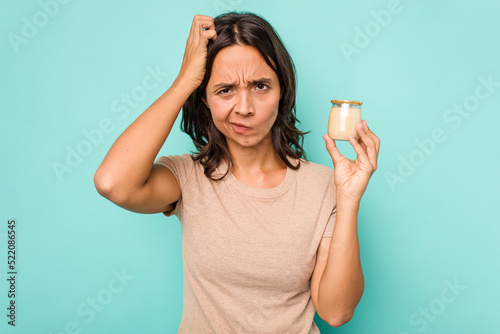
x: 352, y: 176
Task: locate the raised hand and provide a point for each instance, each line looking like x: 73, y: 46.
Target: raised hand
x: 195, y: 56
x: 352, y: 176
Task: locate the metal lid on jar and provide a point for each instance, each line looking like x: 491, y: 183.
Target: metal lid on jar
x: 347, y: 101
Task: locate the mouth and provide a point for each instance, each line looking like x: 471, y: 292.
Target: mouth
x: 240, y: 128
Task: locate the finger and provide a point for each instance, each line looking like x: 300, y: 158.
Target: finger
x: 210, y: 34
x: 203, y: 17
x: 332, y: 149
x: 196, y: 23
x: 207, y: 31
x: 375, y: 139
x: 362, y: 143
x: 372, y: 135
x: 370, y: 147
x: 207, y: 25
x: 362, y: 155
x: 201, y: 22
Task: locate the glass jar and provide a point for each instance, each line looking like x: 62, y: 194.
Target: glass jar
x: 344, y: 115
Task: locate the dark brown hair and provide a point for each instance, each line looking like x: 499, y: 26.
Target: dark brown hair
x: 244, y: 28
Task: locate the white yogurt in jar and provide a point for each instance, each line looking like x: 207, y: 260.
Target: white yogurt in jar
x: 344, y: 115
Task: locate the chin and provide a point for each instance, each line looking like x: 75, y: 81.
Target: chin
x: 251, y: 142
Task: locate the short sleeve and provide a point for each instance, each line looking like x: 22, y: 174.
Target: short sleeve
x: 182, y: 167
x: 328, y: 232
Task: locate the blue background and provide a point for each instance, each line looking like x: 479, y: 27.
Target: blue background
x: 428, y: 219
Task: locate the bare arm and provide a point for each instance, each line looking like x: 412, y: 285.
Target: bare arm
x: 337, y: 283
x: 127, y: 175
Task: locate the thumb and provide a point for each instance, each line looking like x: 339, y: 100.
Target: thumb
x: 332, y: 149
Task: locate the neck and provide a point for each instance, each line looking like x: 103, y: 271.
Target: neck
x: 256, y: 159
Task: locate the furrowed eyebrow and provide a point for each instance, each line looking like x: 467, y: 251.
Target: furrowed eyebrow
x: 233, y: 84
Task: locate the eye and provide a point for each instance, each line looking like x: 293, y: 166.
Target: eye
x: 224, y: 91
x: 261, y: 86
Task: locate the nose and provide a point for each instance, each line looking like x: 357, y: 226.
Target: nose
x: 244, y: 103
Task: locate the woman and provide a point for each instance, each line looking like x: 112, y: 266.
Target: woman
x: 260, y: 251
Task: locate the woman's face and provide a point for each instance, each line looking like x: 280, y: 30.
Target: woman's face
x: 243, y: 90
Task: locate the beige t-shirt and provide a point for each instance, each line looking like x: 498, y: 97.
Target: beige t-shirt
x: 249, y: 253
